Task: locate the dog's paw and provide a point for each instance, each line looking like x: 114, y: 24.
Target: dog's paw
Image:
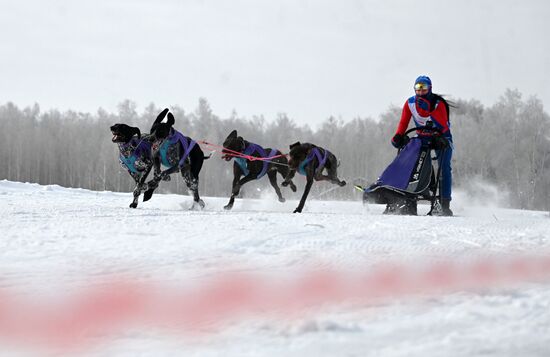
x: 342, y: 183
x: 282, y: 199
x: 201, y: 204
x: 166, y: 178
x: 147, y: 195
x: 293, y: 187
x: 133, y: 205
x: 227, y: 207
x: 197, y: 205
x: 285, y: 183
x: 297, y: 210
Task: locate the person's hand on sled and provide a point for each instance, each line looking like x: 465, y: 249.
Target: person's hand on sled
x: 440, y: 142
x: 399, y: 140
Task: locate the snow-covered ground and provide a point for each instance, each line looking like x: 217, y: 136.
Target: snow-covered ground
x: 55, y: 239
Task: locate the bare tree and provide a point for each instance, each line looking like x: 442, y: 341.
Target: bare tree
x: 507, y: 144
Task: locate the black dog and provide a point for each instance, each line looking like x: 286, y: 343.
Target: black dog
x: 177, y: 152
x: 135, y: 155
x: 310, y: 160
x: 253, y: 169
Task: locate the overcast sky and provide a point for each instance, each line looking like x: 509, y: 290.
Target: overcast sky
x: 307, y: 58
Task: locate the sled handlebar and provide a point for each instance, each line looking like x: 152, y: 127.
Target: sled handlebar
x: 426, y: 127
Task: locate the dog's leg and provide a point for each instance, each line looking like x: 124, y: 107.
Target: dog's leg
x: 273, y: 180
x: 154, y: 183
x: 332, y: 174
x: 140, y: 180
x: 142, y: 185
x: 331, y: 179
x: 283, y: 170
x: 237, y: 188
x: 166, y: 173
x: 237, y: 173
x: 137, y: 189
x: 156, y: 165
x: 162, y: 175
x: 236, y: 177
x: 151, y: 187
x: 195, y: 189
x: 193, y: 185
x: 288, y: 179
x: 196, y: 158
x: 309, y: 183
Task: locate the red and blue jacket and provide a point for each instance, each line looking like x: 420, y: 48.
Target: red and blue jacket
x: 421, y: 111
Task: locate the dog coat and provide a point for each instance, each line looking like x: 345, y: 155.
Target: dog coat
x: 168, y: 147
x: 132, y: 154
x: 251, y: 149
x: 315, y: 152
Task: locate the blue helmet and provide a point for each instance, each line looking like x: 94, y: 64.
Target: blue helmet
x: 425, y: 80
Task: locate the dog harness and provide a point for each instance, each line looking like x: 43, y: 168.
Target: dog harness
x: 132, y: 151
x: 314, y: 153
x: 170, y: 141
x: 251, y: 149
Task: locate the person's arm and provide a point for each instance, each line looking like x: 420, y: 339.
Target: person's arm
x: 439, y: 115
x: 406, y: 116
x: 399, y: 140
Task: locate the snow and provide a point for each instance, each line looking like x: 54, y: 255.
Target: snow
x: 57, y: 239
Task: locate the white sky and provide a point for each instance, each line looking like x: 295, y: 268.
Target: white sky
x: 307, y: 58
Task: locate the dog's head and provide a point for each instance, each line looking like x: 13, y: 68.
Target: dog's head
x: 298, y: 153
x: 123, y: 133
x: 233, y: 143
x: 160, y: 130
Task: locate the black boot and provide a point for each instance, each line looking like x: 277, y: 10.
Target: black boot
x: 391, y: 208
x: 410, y: 208
x: 445, y: 210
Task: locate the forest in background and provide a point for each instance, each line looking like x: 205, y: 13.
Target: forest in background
x: 506, y: 145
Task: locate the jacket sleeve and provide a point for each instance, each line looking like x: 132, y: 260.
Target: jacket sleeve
x: 405, y: 119
x: 441, y: 117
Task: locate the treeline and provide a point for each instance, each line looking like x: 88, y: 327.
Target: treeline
x: 507, y: 144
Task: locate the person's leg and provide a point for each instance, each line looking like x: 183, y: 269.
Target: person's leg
x: 446, y: 181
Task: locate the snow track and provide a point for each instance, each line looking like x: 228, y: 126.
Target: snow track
x: 58, y: 238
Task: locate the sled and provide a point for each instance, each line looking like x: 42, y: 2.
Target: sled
x: 410, y: 177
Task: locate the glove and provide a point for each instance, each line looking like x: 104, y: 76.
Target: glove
x: 399, y: 140
x: 440, y: 142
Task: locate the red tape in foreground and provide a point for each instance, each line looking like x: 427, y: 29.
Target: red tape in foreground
x: 73, y: 321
